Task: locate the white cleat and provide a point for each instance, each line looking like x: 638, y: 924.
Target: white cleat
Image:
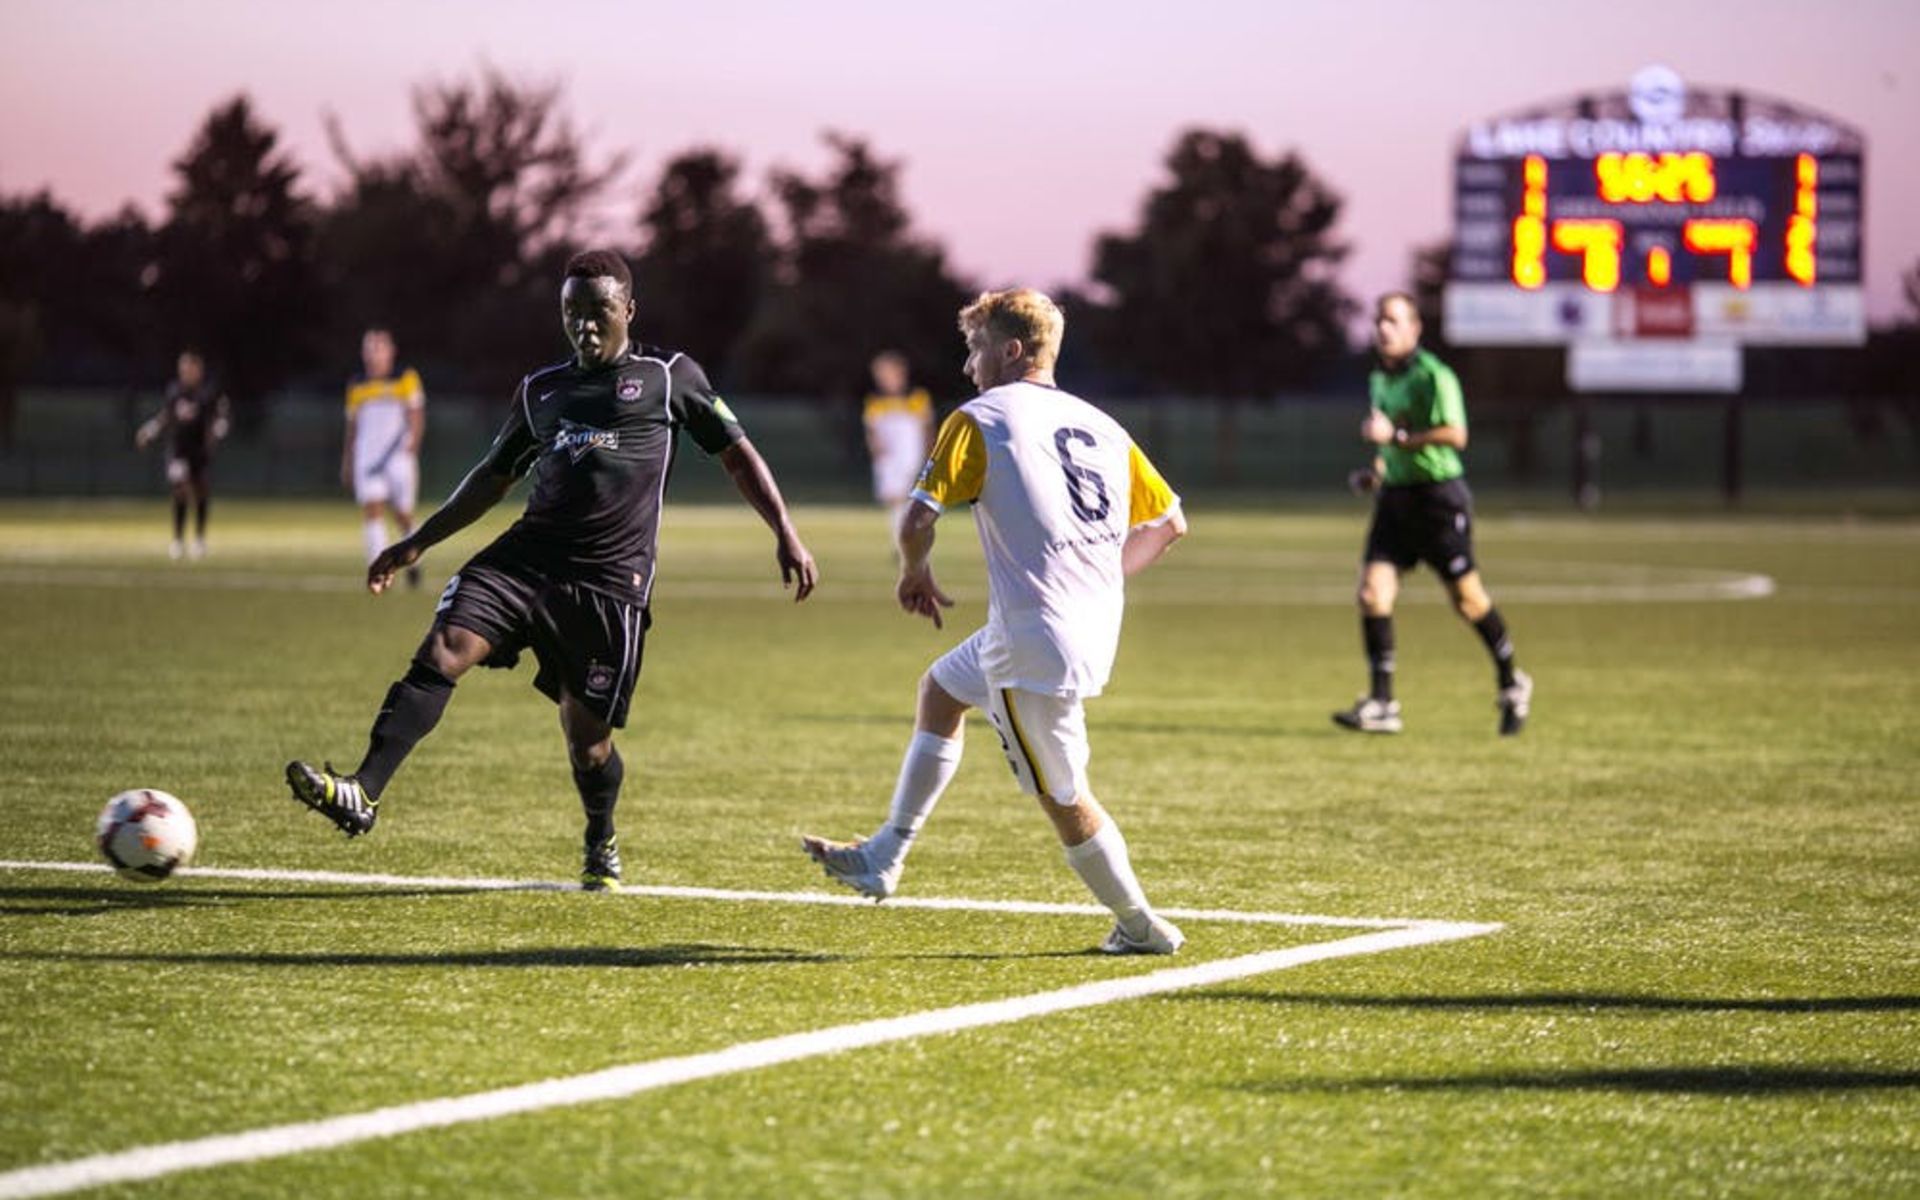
x: 850, y: 864
x: 1515, y: 704
x: 1370, y: 716
x: 198, y: 550
x: 176, y: 550
x: 1162, y: 937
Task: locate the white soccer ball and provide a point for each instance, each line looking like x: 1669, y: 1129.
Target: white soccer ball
x: 146, y: 834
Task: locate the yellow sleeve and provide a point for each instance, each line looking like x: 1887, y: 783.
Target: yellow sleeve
x: 957, y: 468
x: 411, y: 389
x: 1150, y: 500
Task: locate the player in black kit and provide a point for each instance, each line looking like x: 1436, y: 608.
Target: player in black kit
x: 572, y: 579
x: 193, y: 415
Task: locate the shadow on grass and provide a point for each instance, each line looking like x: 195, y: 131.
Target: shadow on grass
x: 672, y: 955
x: 1708, y: 1081
x: 91, y: 901
x: 1574, y: 1001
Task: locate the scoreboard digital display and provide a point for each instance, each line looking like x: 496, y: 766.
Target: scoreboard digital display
x: 1658, y: 213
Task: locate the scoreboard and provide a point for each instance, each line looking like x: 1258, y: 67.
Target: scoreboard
x: 1658, y: 213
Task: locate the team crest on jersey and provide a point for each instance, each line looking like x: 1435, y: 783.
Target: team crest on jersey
x: 576, y: 440
x: 599, y: 679
x: 629, y: 389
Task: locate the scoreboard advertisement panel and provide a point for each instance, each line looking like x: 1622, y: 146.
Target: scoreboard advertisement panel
x: 1658, y: 212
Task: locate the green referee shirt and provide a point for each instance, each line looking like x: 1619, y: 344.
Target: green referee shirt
x: 1421, y: 395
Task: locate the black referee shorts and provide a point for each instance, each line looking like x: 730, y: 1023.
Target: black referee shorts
x: 1428, y: 523
x: 588, y: 644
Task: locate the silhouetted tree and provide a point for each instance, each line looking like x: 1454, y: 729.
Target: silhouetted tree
x: 1227, y: 286
x: 235, y: 273
x: 707, y: 261
x: 851, y: 278
x: 459, y: 243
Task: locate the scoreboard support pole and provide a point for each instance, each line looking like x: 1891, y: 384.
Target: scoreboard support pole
x: 1732, y: 456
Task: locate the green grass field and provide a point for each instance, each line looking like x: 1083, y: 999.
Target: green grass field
x: 1704, y: 853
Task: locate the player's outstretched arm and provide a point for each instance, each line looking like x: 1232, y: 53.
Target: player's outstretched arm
x: 917, y: 591
x: 1146, y: 543
x: 754, y: 478
x: 483, y: 488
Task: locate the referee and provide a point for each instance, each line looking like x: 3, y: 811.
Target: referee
x: 1423, y: 512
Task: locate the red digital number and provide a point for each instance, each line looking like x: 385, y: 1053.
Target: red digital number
x: 1734, y: 238
x: 1800, y: 225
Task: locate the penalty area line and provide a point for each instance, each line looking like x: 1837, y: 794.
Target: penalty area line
x: 614, y: 1083
x: 674, y: 892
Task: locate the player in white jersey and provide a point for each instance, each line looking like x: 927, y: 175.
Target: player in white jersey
x: 1067, y: 507
x: 898, y: 420
x: 386, y: 416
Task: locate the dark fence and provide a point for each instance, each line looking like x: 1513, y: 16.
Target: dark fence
x: 78, y: 443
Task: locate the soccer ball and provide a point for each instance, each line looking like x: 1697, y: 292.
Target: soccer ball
x: 146, y: 834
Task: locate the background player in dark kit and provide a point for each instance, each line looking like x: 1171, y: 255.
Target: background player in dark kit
x: 572, y: 578
x: 194, y: 418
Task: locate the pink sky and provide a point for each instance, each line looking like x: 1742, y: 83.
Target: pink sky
x: 1025, y: 129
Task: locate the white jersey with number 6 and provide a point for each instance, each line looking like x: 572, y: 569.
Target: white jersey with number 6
x: 1056, y: 485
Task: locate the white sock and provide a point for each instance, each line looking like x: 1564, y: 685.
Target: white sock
x: 1102, y: 864
x: 374, y: 532
x: 925, y: 771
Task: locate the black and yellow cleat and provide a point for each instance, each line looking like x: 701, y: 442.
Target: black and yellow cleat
x: 601, y: 873
x: 339, y: 798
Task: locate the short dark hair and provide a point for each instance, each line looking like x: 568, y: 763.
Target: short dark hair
x: 593, y: 264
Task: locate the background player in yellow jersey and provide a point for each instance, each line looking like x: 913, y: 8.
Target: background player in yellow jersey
x: 380, y: 460
x: 1067, y: 507
x: 898, y: 419
x: 1417, y: 424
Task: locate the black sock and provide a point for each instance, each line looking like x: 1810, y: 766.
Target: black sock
x: 412, y: 708
x: 1493, y: 631
x: 1377, y: 633
x: 599, y: 792
x: 200, y: 518
x: 179, y: 519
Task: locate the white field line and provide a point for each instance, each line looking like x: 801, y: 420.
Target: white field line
x: 1728, y: 585
x: 613, y: 1083
x: 839, y: 900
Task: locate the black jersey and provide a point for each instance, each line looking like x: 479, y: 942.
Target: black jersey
x: 601, y: 444
x: 190, y: 417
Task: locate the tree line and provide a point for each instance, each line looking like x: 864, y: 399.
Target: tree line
x: 1226, y: 287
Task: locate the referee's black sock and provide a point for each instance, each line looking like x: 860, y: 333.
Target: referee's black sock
x: 413, y: 707
x: 179, y: 519
x: 599, y: 792
x: 1377, y: 633
x: 200, y: 518
x: 1493, y: 631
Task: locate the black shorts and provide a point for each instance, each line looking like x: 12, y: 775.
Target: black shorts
x: 588, y: 644
x: 188, y: 469
x: 1428, y: 523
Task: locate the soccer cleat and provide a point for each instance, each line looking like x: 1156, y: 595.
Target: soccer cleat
x: 1370, y: 716
x: 339, y: 798
x: 849, y: 863
x: 198, y: 550
x: 413, y: 578
x: 1515, y: 702
x: 602, y: 870
x: 1162, y: 937
x: 176, y: 550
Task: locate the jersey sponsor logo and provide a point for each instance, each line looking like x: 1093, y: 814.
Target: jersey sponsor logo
x: 629, y: 389
x: 576, y: 441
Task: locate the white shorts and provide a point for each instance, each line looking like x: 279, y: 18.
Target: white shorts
x: 894, y: 476
x: 1044, y: 737
x: 395, y: 482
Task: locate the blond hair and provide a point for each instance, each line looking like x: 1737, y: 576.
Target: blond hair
x: 1021, y: 313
